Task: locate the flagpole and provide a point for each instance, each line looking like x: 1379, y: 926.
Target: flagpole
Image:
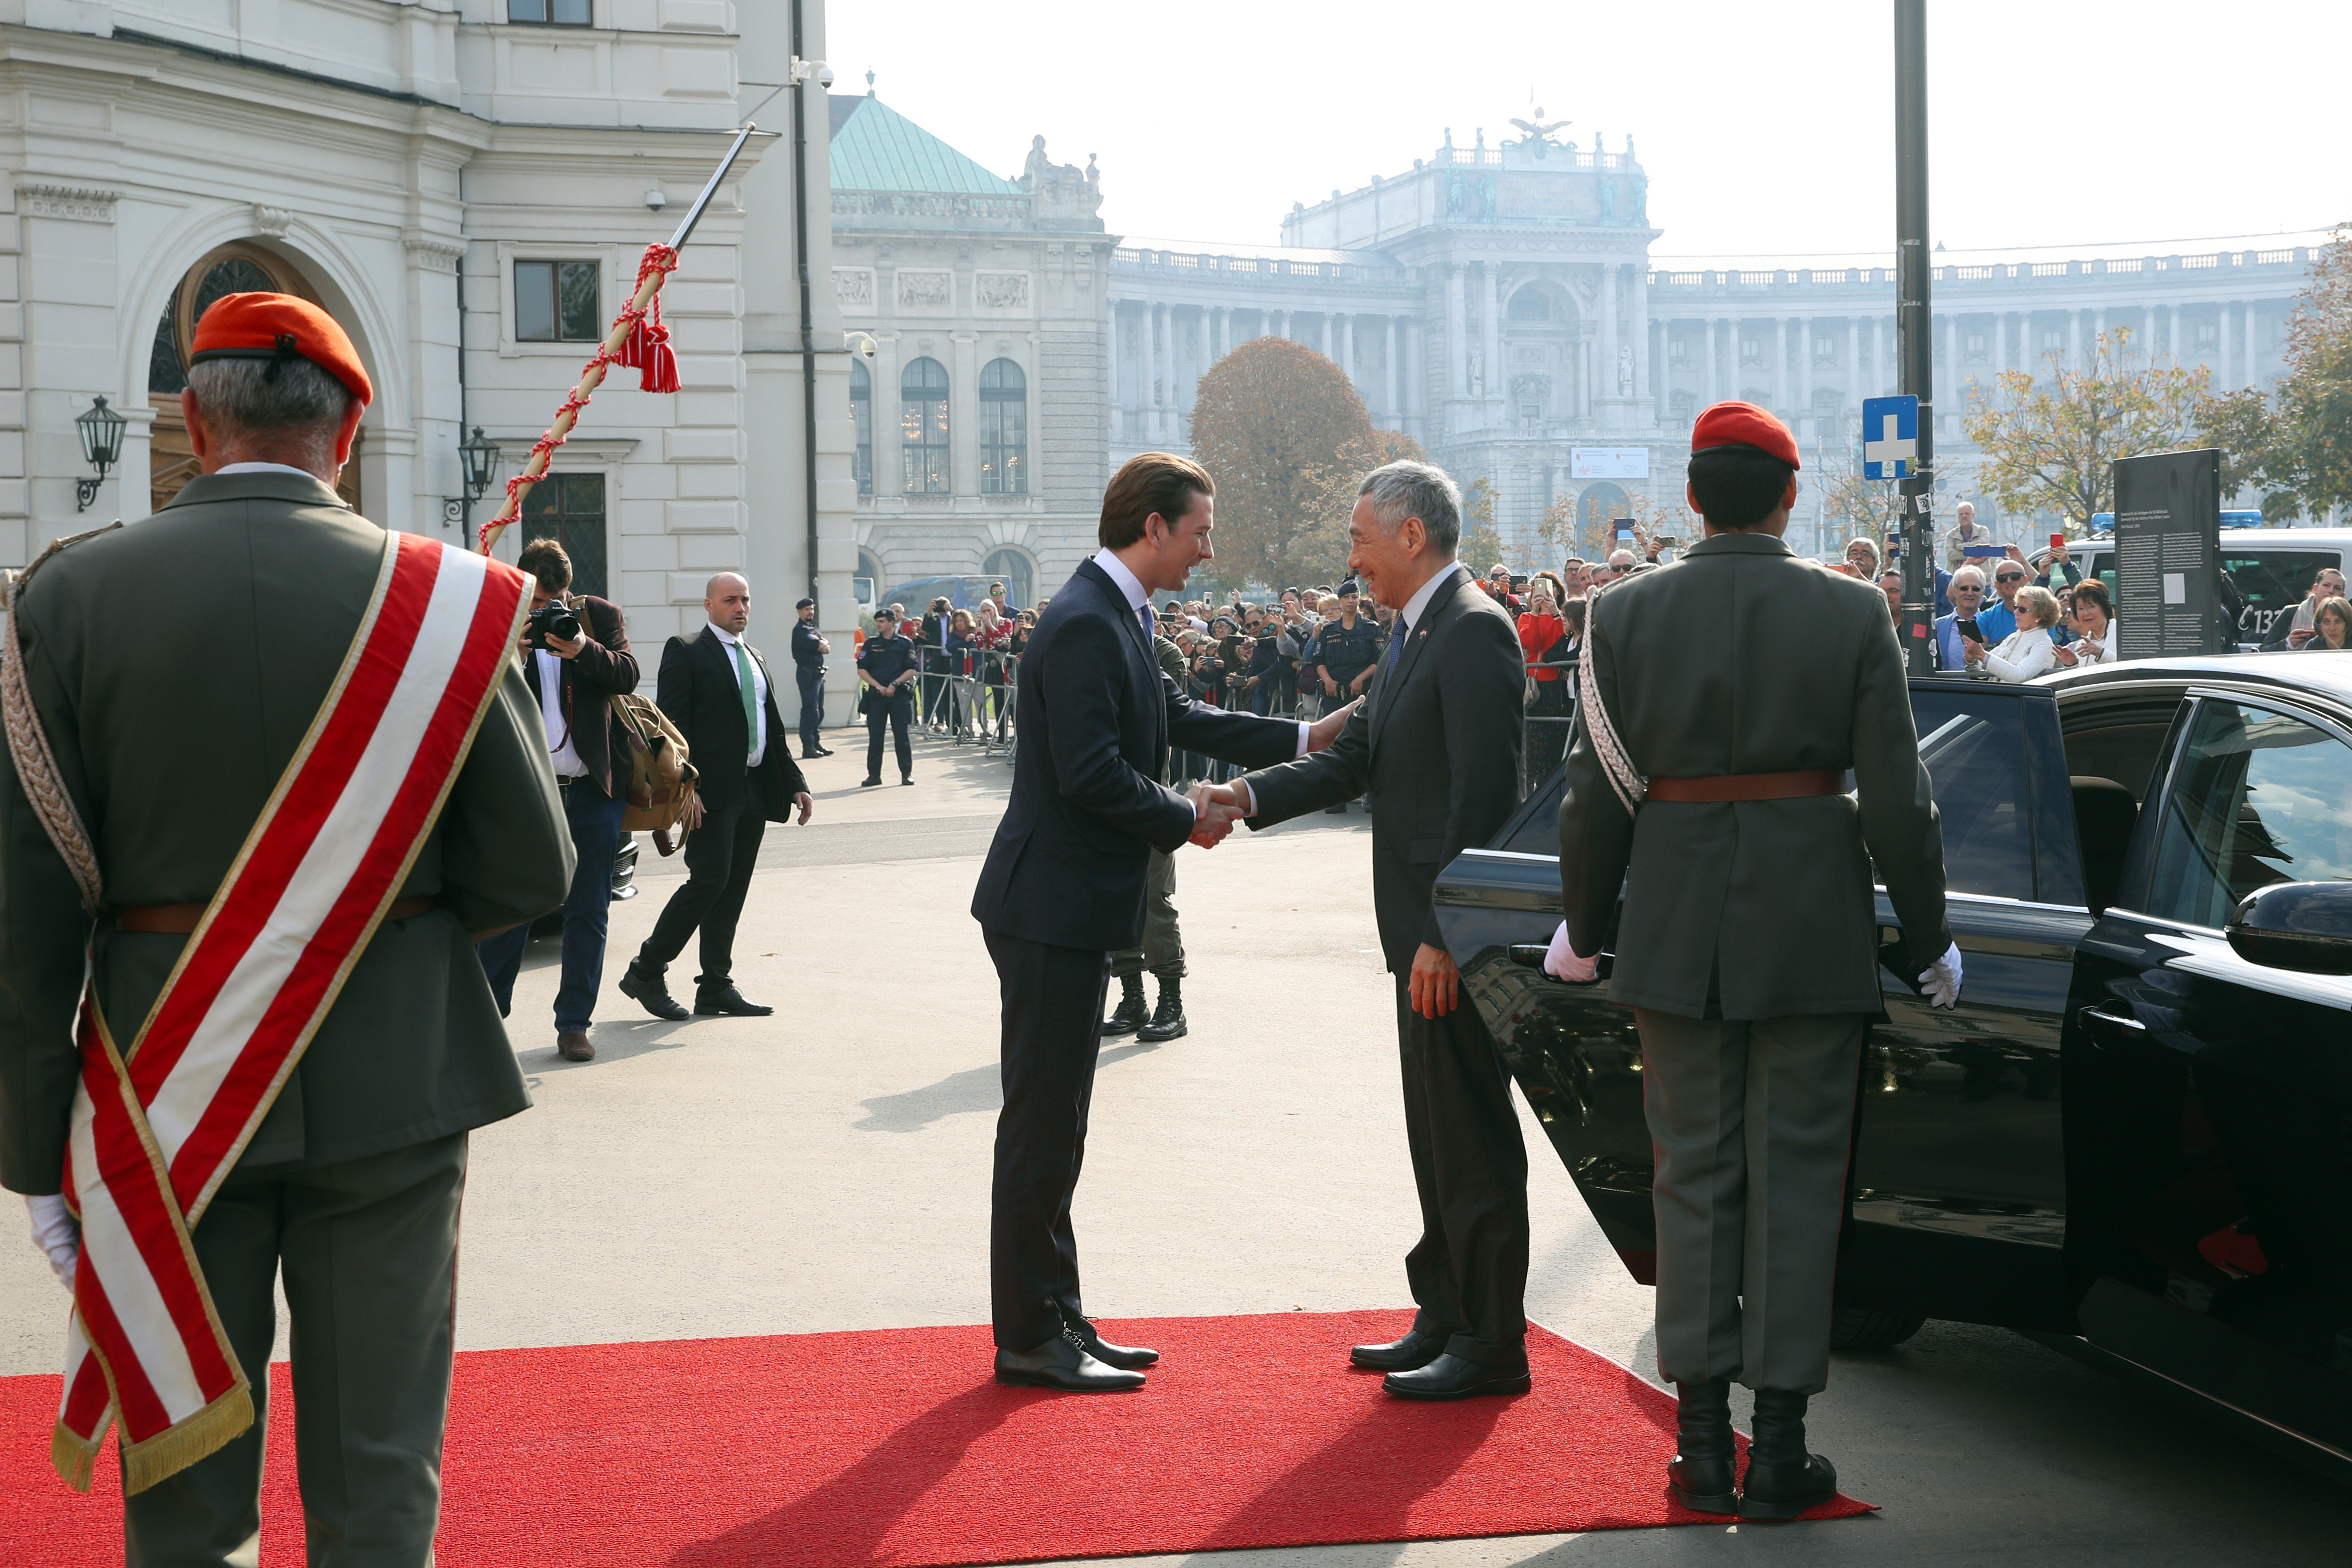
x: 653, y: 270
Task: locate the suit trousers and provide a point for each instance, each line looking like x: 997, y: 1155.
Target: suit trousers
x: 1468, y: 1271
x: 369, y: 1249
x: 894, y: 713
x: 812, y: 685
x: 1752, y: 1126
x: 1162, y: 951
x: 1053, y: 1000
x: 720, y: 858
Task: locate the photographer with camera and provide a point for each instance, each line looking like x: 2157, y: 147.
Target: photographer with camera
x: 575, y: 651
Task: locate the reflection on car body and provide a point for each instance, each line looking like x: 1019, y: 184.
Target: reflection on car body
x: 2132, y: 1137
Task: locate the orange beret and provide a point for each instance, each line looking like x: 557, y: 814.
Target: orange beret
x: 1744, y: 425
x: 278, y: 327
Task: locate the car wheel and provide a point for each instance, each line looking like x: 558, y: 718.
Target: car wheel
x: 1872, y: 1328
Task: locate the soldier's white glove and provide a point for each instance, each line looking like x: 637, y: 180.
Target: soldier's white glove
x: 1941, y: 979
x: 56, y: 1233
x: 1561, y: 963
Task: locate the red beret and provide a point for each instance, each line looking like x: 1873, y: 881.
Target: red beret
x: 1744, y: 425
x: 278, y: 327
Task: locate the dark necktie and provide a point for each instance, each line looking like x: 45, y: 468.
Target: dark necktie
x: 1143, y: 613
x: 1396, y: 649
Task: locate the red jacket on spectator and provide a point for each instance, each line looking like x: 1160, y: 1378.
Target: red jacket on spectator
x: 1537, y: 634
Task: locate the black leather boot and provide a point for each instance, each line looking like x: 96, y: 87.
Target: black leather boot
x: 1704, y: 1474
x: 1783, y: 1480
x: 1168, y: 1023
x: 1131, y: 1011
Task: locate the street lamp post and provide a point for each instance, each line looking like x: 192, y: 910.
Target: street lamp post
x: 101, y: 429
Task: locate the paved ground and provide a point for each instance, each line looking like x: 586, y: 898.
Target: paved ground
x: 1257, y: 1165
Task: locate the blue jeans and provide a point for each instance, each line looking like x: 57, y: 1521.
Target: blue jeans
x: 595, y: 819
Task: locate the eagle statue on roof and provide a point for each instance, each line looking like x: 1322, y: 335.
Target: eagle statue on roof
x: 1537, y: 130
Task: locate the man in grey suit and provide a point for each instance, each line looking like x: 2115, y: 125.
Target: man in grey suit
x: 1708, y: 781
x: 1435, y: 749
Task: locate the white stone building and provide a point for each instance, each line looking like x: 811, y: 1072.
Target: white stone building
x: 466, y: 185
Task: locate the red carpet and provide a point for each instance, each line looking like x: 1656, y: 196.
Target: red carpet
x: 893, y: 1447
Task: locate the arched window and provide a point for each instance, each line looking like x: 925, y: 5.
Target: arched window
x: 1003, y: 430
x: 923, y: 426
x: 861, y: 415
x: 868, y: 581
x: 1531, y: 305
x: 1011, y: 568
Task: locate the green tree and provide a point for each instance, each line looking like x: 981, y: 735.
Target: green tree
x: 2296, y: 445
x: 1282, y: 433
x: 2049, y: 444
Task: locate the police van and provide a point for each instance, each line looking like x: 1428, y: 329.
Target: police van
x: 2272, y: 568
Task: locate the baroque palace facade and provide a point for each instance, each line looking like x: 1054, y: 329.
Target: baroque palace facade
x: 1502, y: 305
x: 466, y: 185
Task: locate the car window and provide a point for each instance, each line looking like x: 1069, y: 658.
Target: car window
x: 1535, y: 830
x: 2121, y: 739
x: 2259, y: 797
x: 2272, y: 582
x: 1973, y: 744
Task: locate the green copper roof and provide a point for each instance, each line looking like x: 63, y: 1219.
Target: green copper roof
x: 875, y: 148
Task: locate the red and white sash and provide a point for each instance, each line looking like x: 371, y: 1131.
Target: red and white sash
x: 155, y: 1129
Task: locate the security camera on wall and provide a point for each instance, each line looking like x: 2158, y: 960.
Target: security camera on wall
x: 861, y: 344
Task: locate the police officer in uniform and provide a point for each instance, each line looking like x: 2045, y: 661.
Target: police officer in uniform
x: 1161, y: 951
x: 886, y: 673
x: 809, y: 648
x: 1350, y: 645
x: 1709, y: 780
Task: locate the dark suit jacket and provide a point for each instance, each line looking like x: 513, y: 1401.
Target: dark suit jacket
x: 172, y: 728
x: 1435, y: 748
x: 1741, y: 659
x: 699, y: 689
x: 1097, y: 717
x: 602, y: 668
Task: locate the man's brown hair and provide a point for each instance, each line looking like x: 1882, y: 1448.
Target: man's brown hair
x: 545, y: 560
x: 1149, y: 482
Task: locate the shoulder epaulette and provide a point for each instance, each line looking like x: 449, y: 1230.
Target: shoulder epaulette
x: 12, y: 581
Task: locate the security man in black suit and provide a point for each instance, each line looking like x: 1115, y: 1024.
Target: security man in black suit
x: 886, y: 676
x: 809, y: 648
x: 1435, y: 748
x: 714, y: 687
x: 1063, y: 887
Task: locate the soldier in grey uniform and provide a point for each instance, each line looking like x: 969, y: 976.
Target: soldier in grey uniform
x: 254, y: 578
x: 1709, y: 780
x: 1163, y: 949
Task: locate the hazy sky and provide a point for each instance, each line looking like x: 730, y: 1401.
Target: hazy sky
x: 1763, y: 127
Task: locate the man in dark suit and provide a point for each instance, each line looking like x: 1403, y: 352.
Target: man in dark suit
x: 572, y: 678
x: 1063, y: 888
x: 1436, y: 752
x: 715, y: 688
x: 1708, y: 781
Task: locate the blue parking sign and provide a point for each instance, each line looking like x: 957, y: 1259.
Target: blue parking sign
x: 1890, y: 437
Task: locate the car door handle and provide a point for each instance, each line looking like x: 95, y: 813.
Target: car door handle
x: 2113, y: 1025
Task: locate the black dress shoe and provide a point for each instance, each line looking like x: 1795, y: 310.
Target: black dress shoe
x: 1451, y: 1377
x: 1061, y: 1363
x: 908, y: 779
x: 868, y: 783
x: 1415, y: 1350
x: 723, y: 1000
x: 649, y: 992
x: 1127, y: 1358
x: 1783, y: 1480
x: 1704, y: 1474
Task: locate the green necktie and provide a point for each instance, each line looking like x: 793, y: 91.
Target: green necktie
x: 750, y: 700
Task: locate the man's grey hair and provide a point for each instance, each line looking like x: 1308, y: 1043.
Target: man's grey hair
x: 1975, y: 571
x: 294, y: 399
x: 1406, y: 488
x: 1621, y: 561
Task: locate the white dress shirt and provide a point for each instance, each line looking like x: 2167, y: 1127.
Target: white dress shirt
x: 560, y: 749
x: 263, y: 468
x: 726, y: 640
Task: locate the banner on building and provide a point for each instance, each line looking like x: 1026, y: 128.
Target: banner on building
x: 1609, y: 462
x: 2167, y: 552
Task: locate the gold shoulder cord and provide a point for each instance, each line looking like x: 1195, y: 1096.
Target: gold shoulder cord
x: 28, y: 744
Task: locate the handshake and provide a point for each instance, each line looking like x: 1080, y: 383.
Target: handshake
x: 1216, y: 807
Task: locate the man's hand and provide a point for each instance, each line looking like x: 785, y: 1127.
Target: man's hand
x: 1357, y: 685
x: 1326, y: 730
x: 2298, y: 636
x: 2059, y: 556
x: 1215, y: 809
x: 56, y: 1234
x: 1941, y: 979
x: 689, y: 816
x: 2013, y: 554
x: 1330, y: 687
x: 805, y: 803
x: 1561, y: 963
x: 1434, y: 985
x: 563, y: 649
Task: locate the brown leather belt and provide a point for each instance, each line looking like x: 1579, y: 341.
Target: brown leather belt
x: 1750, y: 787
x: 180, y: 919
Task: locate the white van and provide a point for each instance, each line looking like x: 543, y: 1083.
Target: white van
x: 2273, y: 568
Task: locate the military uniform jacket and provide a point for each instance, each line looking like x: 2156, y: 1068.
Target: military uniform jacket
x: 1741, y: 659
x: 1435, y: 748
x: 176, y: 665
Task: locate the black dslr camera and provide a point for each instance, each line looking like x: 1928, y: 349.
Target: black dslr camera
x: 553, y: 620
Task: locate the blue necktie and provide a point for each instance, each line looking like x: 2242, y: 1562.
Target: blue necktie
x: 1143, y: 612
x: 1396, y: 649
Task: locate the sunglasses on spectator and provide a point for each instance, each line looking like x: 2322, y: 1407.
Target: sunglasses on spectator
x: 1968, y: 588
x: 2009, y: 577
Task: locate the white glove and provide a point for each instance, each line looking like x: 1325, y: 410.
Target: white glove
x: 1941, y: 979
x: 55, y: 1232
x: 1561, y: 963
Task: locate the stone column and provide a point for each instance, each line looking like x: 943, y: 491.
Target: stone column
x: 1148, y: 394
x: 1118, y: 398
x: 2099, y: 325
x: 1804, y: 379
x: 1952, y: 375
x: 2225, y: 355
x: 1491, y: 328
x: 2148, y: 332
x: 1641, y: 328
x: 1457, y: 339
x: 963, y: 414
x: 2172, y: 340
x: 1857, y: 384
x: 2075, y: 340
x: 1714, y: 372
x: 1608, y: 388
x: 1347, y: 349
x: 1780, y: 365
x: 2252, y: 365
x: 1388, y: 376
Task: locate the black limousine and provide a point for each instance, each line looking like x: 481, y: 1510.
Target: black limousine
x: 2132, y: 1138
